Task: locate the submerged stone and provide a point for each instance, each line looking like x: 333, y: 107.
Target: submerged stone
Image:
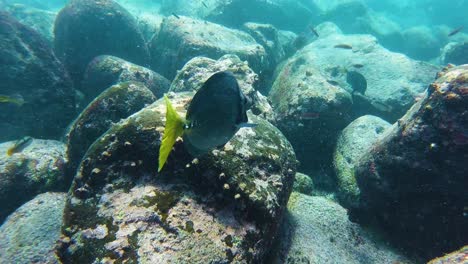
x: 413, y: 181
x: 117, y: 102
x: 104, y: 71
x: 40, y: 167
x: 221, y: 207
x: 85, y: 29
x: 30, y: 234
x: 30, y: 71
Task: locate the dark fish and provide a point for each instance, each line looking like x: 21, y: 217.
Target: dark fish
x: 314, y: 31
x: 332, y: 82
x: 19, y: 145
x: 17, y: 100
x: 203, y: 3
x: 215, y: 114
x: 343, y: 46
x: 357, y: 81
x: 358, y: 65
x: 178, y: 17
x: 455, y: 31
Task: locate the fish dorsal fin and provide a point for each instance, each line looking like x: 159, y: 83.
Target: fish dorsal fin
x: 174, y: 128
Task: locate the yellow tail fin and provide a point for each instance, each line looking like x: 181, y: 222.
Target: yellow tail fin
x: 174, y: 129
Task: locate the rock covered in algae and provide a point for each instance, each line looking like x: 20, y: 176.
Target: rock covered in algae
x: 221, y: 207
x: 38, y: 168
x: 459, y: 256
x: 104, y: 71
x: 353, y: 142
x: 181, y: 39
x: 196, y: 71
x: 30, y: 234
x: 303, y: 184
x: 413, y: 180
x: 383, y: 83
x: 317, y: 230
x: 85, y: 29
x: 30, y: 70
x: 117, y: 102
x: 310, y: 111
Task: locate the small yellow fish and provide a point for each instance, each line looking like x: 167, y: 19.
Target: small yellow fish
x: 19, y: 145
x: 12, y: 100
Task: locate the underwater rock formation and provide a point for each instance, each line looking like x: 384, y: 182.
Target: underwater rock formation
x: 458, y: 256
x: 455, y: 53
x: 317, y: 230
x: 196, y: 71
x: 104, y: 71
x: 222, y: 207
x: 42, y: 21
x: 30, y: 72
x: 303, y: 184
x: 115, y: 103
x: 310, y: 111
x: 38, y: 168
x: 353, y: 142
x: 30, y: 234
x: 413, y: 181
x: 85, y: 29
x: 383, y: 83
x: 181, y: 39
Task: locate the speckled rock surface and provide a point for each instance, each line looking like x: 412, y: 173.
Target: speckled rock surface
x: 222, y: 207
x: 30, y: 234
x: 179, y: 40
x: 42, y: 21
x: 117, y: 102
x: 317, y: 230
x: 353, y: 142
x: 310, y: 111
x: 459, y: 256
x: 85, y: 29
x: 393, y: 80
x: 455, y: 53
x: 29, y: 69
x: 195, y: 72
x: 303, y: 184
x: 104, y: 71
x: 39, y: 168
x: 413, y: 181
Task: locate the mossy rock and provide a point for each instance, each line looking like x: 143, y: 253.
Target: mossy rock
x: 221, y: 207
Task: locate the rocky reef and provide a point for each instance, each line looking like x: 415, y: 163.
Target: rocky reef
x: 39, y: 167
x: 85, y: 29
x: 413, y: 180
x: 223, y: 207
x: 30, y: 234
x: 30, y: 72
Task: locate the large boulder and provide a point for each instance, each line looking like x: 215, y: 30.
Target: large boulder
x: 181, y: 39
x: 353, y: 142
x: 104, y: 71
x: 455, y: 53
x: 310, y: 111
x: 385, y: 84
x: 222, y: 207
x: 115, y: 103
x: 85, y: 29
x: 30, y: 71
x: 30, y: 234
x: 196, y: 71
x: 42, y: 21
x: 317, y: 230
x: 413, y: 181
x: 40, y: 167
x: 458, y: 256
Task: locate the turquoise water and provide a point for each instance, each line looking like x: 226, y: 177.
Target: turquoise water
x: 240, y: 131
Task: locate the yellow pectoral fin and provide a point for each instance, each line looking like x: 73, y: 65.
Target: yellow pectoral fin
x: 174, y: 129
